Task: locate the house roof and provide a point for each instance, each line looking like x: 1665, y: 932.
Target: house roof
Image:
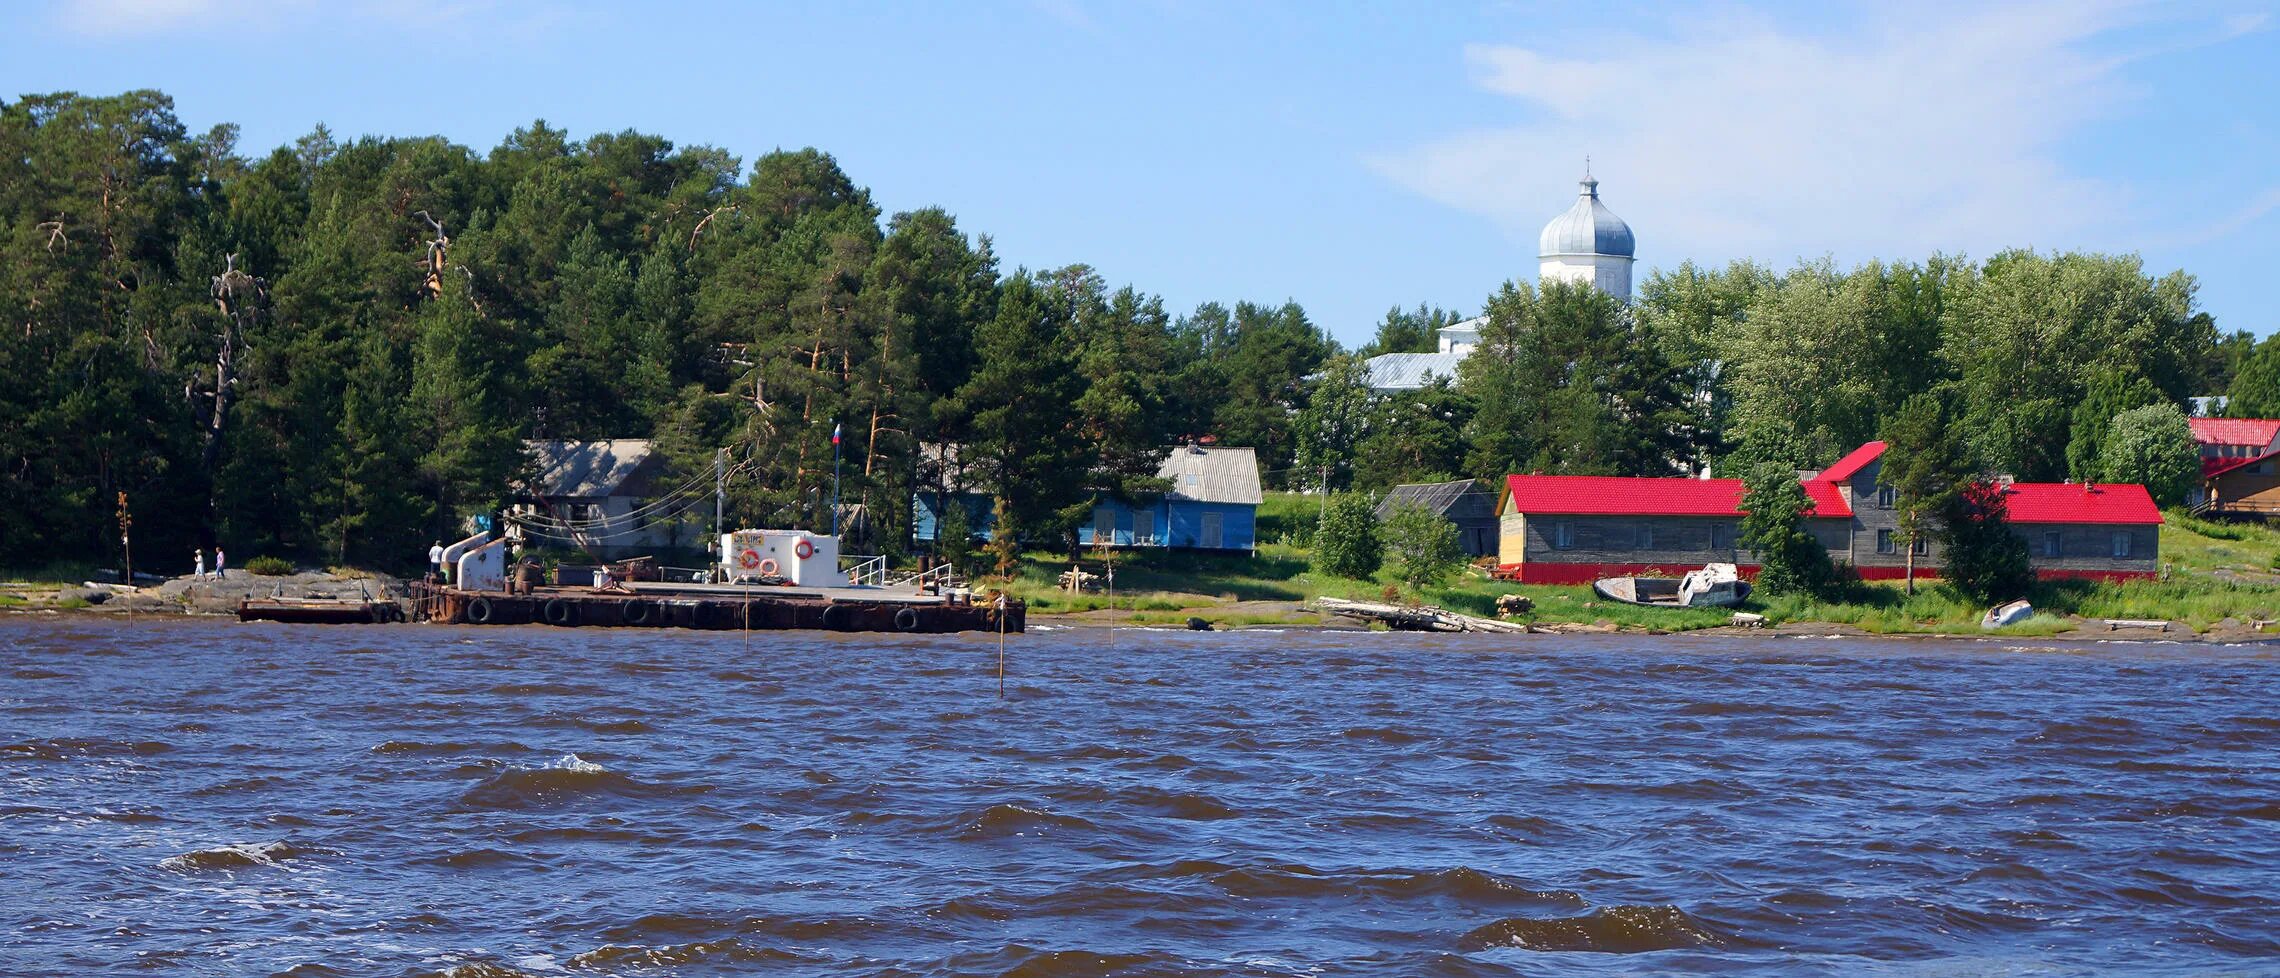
x: 2214, y: 467
x: 1212, y: 475
x: 1852, y: 463
x: 2076, y: 502
x: 2258, y: 432
x: 1604, y: 495
x: 584, y: 469
x: 1408, y: 371
x: 1827, y: 500
x: 1462, y: 499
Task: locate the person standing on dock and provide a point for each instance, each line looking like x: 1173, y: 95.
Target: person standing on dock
x: 435, y: 561
x: 218, y: 571
x: 199, y: 553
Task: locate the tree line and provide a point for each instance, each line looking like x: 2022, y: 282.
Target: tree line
x: 406, y: 311
x: 334, y: 349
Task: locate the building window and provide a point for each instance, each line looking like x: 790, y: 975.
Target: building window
x: 1563, y: 537
x: 1104, y: 525
x: 1885, y: 497
x: 2121, y: 544
x: 1921, y: 546
x: 2050, y: 543
x: 1721, y: 536
x: 1884, y: 542
x: 1144, y: 526
x: 1646, y: 538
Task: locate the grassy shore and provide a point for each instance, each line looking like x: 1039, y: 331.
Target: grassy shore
x: 2215, y: 575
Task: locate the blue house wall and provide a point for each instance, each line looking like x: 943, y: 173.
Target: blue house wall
x: 927, y: 508
x: 1177, y: 522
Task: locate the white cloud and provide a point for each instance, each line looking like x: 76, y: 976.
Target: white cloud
x: 1737, y: 136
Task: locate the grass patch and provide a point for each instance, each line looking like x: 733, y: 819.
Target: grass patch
x: 74, y: 604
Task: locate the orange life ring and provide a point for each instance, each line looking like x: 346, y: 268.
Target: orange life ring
x: 749, y: 559
x: 768, y: 567
x: 804, y: 549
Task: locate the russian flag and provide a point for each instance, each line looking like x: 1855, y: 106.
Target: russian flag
x: 835, y: 434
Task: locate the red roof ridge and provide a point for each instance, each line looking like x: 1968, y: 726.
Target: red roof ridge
x: 1852, y: 463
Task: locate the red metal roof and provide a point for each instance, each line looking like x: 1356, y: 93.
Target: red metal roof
x: 2214, y: 467
x: 1827, y: 501
x: 2255, y: 432
x: 1607, y: 495
x: 1851, y: 464
x: 2074, y: 502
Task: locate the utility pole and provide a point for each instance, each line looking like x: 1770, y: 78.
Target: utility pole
x: 720, y: 493
x: 835, y: 480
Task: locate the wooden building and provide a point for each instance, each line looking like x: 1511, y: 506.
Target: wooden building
x: 2240, y: 466
x: 1463, y: 502
x: 1573, y: 529
x: 593, y: 496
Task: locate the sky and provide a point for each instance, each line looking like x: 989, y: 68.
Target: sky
x: 1350, y: 156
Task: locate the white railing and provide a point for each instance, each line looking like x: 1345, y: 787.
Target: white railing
x: 867, y: 571
x: 941, y: 575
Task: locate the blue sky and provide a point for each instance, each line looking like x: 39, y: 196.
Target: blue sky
x: 1349, y: 156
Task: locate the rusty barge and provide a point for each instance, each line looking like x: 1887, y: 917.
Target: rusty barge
x: 717, y: 608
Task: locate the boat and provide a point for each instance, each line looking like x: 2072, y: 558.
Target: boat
x: 1714, y: 586
x: 2011, y: 613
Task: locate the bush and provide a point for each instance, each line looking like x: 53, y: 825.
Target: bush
x: 1423, y: 545
x: 1347, y: 544
x: 269, y: 566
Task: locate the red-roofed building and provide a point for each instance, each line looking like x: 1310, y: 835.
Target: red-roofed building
x: 2238, y: 464
x: 1573, y: 529
x: 2235, y: 438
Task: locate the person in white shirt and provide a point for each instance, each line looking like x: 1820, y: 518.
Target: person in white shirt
x: 200, y: 573
x: 435, y: 561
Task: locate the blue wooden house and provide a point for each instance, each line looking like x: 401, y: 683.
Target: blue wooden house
x: 1212, y: 504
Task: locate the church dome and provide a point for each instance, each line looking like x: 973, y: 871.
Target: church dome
x: 1588, y: 228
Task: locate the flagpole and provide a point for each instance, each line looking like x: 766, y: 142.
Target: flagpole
x: 835, y: 480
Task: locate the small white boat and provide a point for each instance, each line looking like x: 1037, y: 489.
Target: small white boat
x: 2007, y: 614
x: 1714, y: 586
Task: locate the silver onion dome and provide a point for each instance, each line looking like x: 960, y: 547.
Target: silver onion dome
x: 1588, y: 228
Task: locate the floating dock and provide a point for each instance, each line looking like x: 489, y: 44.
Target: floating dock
x: 719, y: 608
x: 321, y: 611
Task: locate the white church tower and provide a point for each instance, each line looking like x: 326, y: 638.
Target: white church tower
x: 1588, y: 244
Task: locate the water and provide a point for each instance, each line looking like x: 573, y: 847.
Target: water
x: 220, y: 799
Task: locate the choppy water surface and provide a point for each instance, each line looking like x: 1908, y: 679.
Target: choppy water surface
x: 218, y: 799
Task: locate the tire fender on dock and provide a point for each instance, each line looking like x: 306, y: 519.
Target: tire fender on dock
x: 479, y: 611
x: 637, y: 612
x: 560, y: 612
x: 835, y: 617
x: 906, y: 620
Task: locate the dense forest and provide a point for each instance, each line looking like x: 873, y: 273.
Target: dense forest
x: 333, y: 350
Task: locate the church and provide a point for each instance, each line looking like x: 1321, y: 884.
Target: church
x: 1587, y: 244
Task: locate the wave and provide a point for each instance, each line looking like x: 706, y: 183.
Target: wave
x: 567, y: 779
x: 256, y: 855
x: 1463, y: 884
x: 1625, y: 929
x: 1183, y: 805
x: 617, y: 957
x: 1007, y: 820
x: 66, y: 748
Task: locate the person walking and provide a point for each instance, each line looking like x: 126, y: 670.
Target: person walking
x: 435, y: 562
x: 218, y: 571
x: 200, y: 554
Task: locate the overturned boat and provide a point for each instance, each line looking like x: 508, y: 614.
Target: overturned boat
x: 1714, y: 586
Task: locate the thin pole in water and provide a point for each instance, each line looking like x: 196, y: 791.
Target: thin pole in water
x: 1001, y: 645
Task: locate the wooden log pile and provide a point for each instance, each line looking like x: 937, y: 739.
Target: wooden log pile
x: 1418, y: 619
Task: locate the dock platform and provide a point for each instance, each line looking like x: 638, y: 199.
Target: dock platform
x: 714, y: 607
